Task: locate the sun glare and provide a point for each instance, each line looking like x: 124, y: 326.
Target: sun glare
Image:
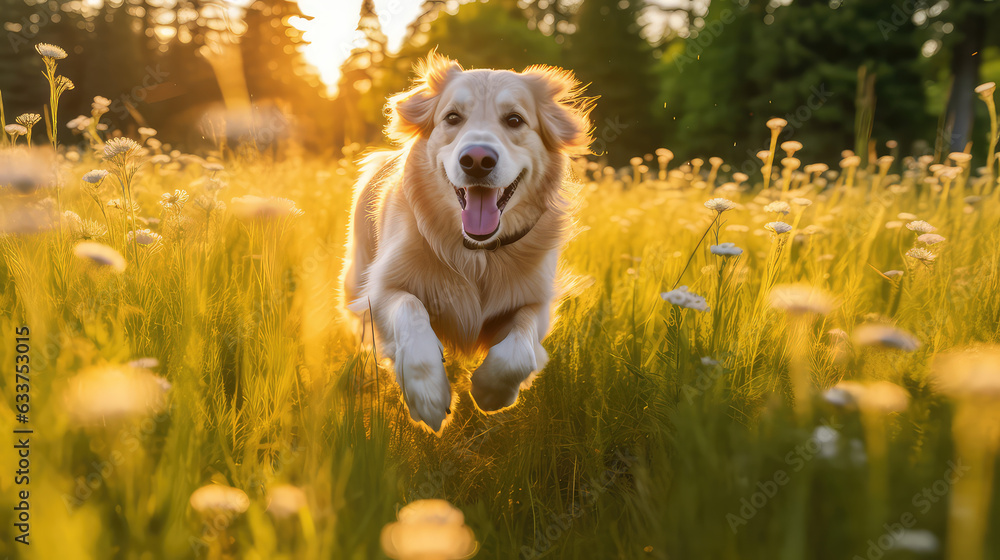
x: 332, y: 32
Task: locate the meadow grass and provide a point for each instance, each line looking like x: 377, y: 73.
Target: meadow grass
x: 664, y: 426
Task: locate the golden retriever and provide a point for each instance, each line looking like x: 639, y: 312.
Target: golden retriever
x: 454, y: 239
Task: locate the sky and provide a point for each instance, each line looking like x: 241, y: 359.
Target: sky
x: 333, y: 31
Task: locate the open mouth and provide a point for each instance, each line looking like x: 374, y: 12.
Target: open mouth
x: 482, y: 206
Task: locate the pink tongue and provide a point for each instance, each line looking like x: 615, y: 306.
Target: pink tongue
x: 481, y: 215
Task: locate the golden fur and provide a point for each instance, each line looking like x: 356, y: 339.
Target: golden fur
x: 408, y: 258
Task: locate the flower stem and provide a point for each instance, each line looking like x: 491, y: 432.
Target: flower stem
x: 695, y: 250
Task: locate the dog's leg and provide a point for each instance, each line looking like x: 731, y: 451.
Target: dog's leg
x: 510, y: 364
x: 418, y: 358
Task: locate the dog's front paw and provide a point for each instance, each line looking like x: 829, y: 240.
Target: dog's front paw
x: 420, y: 374
x: 507, y: 369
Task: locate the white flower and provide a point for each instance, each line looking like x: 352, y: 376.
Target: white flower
x: 828, y: 440
x: 146, y: 132
x: 893, y: 274
x: 801, y: 201
x: 986, y: 90
x: 894, y: 224
x: 922, y: 255
x: 799, y: 299
x: 720, y: 205
x: 103, y: 393
x: 776, y: 123
x: 970, y: 373
x: 778, y: 207
x: 285, y: 500
x: 885, y: 336
x: 213, y: 167
x: 778, y: 227
x: 726, y: 250
x: 219, y: 499
x: 81, y: 123
x: 100, y: 103
x: 118, y: 204
x: 920, y: 226
x: 16, y: 130
x: 428, y: 529
x: 174, y: 200
x: 906, y: 216
x: 50, y: 51
x: 100, y: 255
x: 708, y: 362
x: 120, y: 147
x: 95, y: 176
x: 144, y: 237
x: 930, y: 238
x: 683, y: 298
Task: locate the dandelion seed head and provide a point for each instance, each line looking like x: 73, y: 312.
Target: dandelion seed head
x: 48, y: 50
x: 175, y: 200
x: 95, y: 176
x: 219, y: 498
x: 778, y: 227
x: 285, y: 500
x: 79, y: 123
x: 720, y: 205
x: 920, y: 226
x: 120, y: 147
x: 102, y: 393
x: 683, y: 298
x: 930, y: 238
x: 726, y: 250
x: 144, y: 237
x: 921, y: 254
x: 886, y: 336
x: 428, y: 529
x: 969, y: 373
x: 778, y: 207
x: 100, y: 255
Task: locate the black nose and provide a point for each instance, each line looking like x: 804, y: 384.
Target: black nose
x: 478, y: 161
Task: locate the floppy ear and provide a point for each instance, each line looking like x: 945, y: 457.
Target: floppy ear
x: 563, y: 112
x: 411, y: 113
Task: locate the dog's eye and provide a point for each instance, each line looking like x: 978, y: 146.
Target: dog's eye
x: 514, y: 120
x: 453, y: 118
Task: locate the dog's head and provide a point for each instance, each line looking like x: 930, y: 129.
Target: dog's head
x: 492, y: 140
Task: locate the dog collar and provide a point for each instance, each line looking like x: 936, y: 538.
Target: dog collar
x: 498, y: 242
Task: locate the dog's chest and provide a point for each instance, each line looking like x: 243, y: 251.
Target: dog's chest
x: 460, y: 301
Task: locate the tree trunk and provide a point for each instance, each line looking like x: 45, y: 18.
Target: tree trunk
x: 965, y: 69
